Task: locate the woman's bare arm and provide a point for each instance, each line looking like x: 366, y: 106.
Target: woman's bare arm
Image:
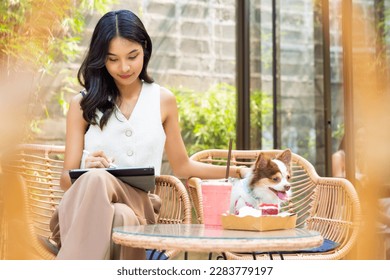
x: 182, y: 165
x: 74, y: 143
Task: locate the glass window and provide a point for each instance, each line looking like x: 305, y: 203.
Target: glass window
x: 297, y: 82
x: 194, y: 56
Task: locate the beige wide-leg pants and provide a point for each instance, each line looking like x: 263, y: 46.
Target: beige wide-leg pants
x: 89, y: 210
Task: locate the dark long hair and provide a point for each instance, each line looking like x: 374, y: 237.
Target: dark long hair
x: 93, y: 75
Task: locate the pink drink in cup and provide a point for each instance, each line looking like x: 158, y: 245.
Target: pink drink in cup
x: 216, y: 201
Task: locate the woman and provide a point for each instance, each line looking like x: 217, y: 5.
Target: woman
x: 121, y: 117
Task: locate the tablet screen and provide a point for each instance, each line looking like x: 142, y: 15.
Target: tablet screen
x: 139, y: 177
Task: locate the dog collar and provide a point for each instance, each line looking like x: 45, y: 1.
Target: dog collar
x: 245, y: 182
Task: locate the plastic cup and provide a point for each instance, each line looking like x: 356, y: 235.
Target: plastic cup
x: 216, y: 201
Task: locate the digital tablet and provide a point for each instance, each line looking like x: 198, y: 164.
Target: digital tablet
x: 139, y: 177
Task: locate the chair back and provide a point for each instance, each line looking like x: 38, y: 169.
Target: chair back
x: 328, y: 205
x: 41, y: 167
x: 176, y: 205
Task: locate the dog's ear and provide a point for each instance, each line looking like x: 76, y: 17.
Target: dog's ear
x: 285, y: 157
x: 261, y: 162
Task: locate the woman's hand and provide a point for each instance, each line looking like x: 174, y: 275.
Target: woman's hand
x: 244, y: 171
x: 97, y: 159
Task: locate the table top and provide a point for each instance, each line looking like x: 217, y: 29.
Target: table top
x: 201, y: 238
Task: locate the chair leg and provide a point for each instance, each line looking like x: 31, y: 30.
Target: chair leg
x: 161, y: 254
x: 152, y: 254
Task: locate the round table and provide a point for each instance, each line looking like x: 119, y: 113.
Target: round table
x: 201, y: 238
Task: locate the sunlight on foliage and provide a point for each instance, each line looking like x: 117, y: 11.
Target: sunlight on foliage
x: 208, y: 119
x: 42, y: 32
x: 35, y: 36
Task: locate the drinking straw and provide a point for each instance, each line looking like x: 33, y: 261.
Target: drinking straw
x: 228, y: 160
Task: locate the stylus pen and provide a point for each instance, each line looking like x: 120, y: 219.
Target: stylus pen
x: 111, y: 164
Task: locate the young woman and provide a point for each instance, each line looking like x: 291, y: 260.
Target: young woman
x: 121, y: 117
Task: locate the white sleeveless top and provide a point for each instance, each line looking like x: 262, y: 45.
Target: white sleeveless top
x: 135, y: 142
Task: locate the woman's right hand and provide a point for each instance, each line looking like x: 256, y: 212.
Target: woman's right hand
x: 97, y: 159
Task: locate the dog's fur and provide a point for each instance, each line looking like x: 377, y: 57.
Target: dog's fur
x: 267, y: 182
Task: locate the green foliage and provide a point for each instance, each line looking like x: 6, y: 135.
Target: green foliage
x: 384, y: 40
x: 260, y: 118
x: 339, y: 132
x: 42, y: 32
x: 208, y: 119
x: 35, y: 36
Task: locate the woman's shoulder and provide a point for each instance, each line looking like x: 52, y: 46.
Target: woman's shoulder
x: 168, y: 101
x: 164, y: 92
x: 75, y: 113
x: 339, y: 153
x: 76, y: 99
x: 166, y: 95
x: 338, y: 157
x: 168, y: 104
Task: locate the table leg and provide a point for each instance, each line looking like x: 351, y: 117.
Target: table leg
x: 271, y: 256
x: 159, y: 255
x: 152, y: 254
x: 254, y: 255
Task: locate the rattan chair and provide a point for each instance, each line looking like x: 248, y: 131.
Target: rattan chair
x: 328, y: 205
x: 41, y: 165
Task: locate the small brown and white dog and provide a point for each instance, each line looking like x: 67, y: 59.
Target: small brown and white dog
x: 268, y: 182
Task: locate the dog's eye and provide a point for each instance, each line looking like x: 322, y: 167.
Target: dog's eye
x: 288, y: 177
x: 276, y: 179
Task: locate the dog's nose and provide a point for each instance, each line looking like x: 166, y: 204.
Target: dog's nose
x: 287, y: 187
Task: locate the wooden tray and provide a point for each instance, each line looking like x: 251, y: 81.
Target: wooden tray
x: 262, y: 223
